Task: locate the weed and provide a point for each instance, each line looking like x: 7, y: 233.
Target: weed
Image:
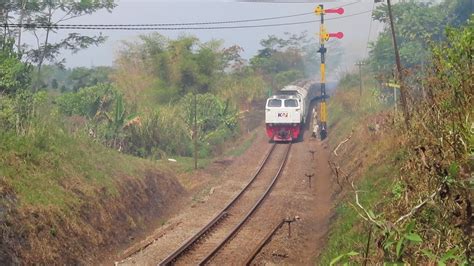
x: 239, y: 150
x: 347, y: 235
x: 53, y: 232
x: 398, y: 189
x: 186, y: 164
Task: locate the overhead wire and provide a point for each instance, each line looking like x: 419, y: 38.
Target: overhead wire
x: 115, y: 27
x: 370, y: 30
x: 183, y: 24
x: 179, y: 26
x: 353, y: 3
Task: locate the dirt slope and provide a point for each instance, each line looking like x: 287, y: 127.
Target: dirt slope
x: 85, y: 233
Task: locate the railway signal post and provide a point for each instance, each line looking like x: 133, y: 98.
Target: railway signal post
x: 323, y: 38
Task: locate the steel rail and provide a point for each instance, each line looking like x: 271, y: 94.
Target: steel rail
x: 180, y: 251
x: 249, y: 214
x: 263, y: 243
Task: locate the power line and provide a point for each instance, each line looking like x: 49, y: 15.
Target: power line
x: 348, y: 16
x: 42, y: 25
x: 133, y: 27
x: 356, y: 2
x: 370, y: 29
x: 189, y: 23
x: 289, y: 2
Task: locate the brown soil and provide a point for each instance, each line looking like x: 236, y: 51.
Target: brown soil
x: 291, y: 197
x: 82, y: 236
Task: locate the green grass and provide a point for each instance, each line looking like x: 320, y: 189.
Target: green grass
x: 51, y: 168
x: 346, y: 109
x: 240, y: 149
x: 350, y: 231
x: 186, y: 164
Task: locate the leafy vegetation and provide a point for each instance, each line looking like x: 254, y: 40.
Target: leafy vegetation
x: 419, y: 25
x: 76, y: 143
x: 14, y: 74
x: 284, y: 60
x: 48, y: 13
x: 159, y: 96
x: 348, y: 100
x: 426, y: 213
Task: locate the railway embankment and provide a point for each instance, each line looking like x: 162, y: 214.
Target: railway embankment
x: 67, y: 199
x: 364, y: 158
x: 72, y: 201
x: 405, y: 189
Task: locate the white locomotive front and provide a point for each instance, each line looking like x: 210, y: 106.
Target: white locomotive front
x: 286, y: 112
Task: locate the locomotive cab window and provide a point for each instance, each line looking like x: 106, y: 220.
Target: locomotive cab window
x: 274, y: 103
x: 291, y: 103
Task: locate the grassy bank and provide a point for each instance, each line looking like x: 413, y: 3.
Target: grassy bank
x: 349, y: 107
x: 413, y: 177
x: 45, y: 168
x: 369, y: 157
x: 64, y: 199
x: 350, y: 232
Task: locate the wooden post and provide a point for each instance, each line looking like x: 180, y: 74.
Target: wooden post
x: 399, y: 68
x: 360, y: 64
x: 195, y: 133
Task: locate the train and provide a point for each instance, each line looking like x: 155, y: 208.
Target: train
x: 286, y: 112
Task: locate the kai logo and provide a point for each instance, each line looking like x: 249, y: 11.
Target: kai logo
x: 285, y: 115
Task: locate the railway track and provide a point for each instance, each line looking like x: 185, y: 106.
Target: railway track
x: 201, y: 248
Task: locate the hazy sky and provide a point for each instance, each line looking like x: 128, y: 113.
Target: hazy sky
x: 356, y: 28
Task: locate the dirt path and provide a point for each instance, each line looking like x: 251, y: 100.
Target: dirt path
x: 291, y: 197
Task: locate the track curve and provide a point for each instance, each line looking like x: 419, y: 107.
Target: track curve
x: 205, y: 243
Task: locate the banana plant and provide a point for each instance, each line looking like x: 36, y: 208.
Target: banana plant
x: 117, y: 119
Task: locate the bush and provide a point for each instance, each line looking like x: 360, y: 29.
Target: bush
x: 14, y: 74
x: 88, y: 101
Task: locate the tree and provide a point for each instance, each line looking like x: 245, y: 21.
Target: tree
x: 54, y: 84
x: 177, y: 66
x: 419, y: 25
x: 48, y: 13
x: 81, y: 77
x: 212, y: 114
x: 14, y: 74
x: 284, y: 60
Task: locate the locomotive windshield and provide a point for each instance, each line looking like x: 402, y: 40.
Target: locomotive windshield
x: 291, y: 103
x: 274, y: 103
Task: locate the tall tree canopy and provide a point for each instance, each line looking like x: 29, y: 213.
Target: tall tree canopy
x: 49, y: 12
x: 418, y: 26
x: 284, y: 60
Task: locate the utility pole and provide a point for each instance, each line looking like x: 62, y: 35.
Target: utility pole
x: 22, y: 14
x: 323, y: 38
x: 399, y: 68
x: 195, y: 132
x: 360, y: 64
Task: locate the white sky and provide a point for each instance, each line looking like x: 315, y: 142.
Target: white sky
x: 356, y: 29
